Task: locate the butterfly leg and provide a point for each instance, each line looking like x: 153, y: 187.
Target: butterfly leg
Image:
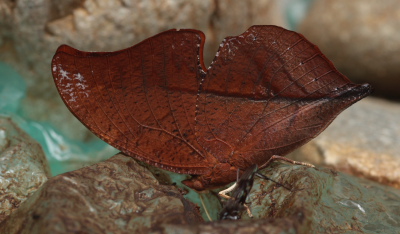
x: 204, y: 207
x: 267, y: 178
x: 223, y: 193
x: 230, y: 189
x: 280, y: 158
x: 248, y: 210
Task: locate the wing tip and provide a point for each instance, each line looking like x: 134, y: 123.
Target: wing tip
x: 356, y: 92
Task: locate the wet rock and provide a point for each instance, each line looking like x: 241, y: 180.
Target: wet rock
x: 23, y: 167
x: 32, y: 31
x: 114, y: 196
x: 364, y: 141
x: 328, y: 201
x: 361, y: 38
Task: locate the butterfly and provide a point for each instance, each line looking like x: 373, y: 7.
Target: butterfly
x: 267, y: 92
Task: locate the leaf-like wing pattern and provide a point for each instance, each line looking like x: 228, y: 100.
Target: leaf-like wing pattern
x: 140, y: 100
x: 267, y: 92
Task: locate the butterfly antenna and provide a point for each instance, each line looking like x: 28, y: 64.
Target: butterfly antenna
x: 204, y: 207
x: 266, y: 178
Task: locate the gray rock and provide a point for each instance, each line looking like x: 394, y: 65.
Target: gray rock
x: 364, y: 141
x: 23, y: 167
x: 328, y: 201
x: 115, y: 196
x: 361, y: 38
x: 120, y: 196
x: 32, y: 31
x: 288, y: 225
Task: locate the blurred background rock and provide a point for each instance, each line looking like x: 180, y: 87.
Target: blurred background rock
x: 361, y: 37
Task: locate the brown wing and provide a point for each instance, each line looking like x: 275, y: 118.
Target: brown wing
x: 269, y: 91
x: 141, y: 100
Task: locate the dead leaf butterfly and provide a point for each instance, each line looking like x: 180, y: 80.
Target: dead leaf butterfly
x: 267, y: 92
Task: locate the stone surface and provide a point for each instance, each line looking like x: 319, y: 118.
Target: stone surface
x: 288, y: 225
x: 361, y: 38
x: 23, y: 167
x: 120, y: 196
x: 114, y: 196
x: 329, y: 201
x: 364, y: 140
x: 32, y: 30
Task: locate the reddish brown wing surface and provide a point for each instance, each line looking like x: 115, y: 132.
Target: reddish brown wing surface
x: 140, y: 100
x: 267, y: 92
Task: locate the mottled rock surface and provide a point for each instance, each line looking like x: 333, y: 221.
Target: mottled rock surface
x: 120, y: 196
x: 114, y: 196
x: 23, y: 167
x: 31, y: 31
x: 364, y: 140
x: 330, y: 201
x: 288, y: 225
x: 361, y: 38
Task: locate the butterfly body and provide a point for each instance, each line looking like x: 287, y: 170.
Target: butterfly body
x: 235, y: 204
x: 267, y: 92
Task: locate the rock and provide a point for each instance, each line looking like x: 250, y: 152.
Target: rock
x: 114, y: 196
x: 32, y: 31
x: 120, y: 196
x: 23, y: 167
x: 364, y: 141
x: 328, y: 201
x: 287, y: 225
x: 361, y: 38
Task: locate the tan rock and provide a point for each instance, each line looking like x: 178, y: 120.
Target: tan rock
x: 364, y: 141
x: 361, y: 38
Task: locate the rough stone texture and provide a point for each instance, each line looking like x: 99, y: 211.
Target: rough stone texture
x: 114, y: 196
x: 329, y: 201
x: 288, y: 225
x: 364, y: 141
x: 33, y: 29
x: 23, y: 167
x: 120, y: 196
x: 361, y: 38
